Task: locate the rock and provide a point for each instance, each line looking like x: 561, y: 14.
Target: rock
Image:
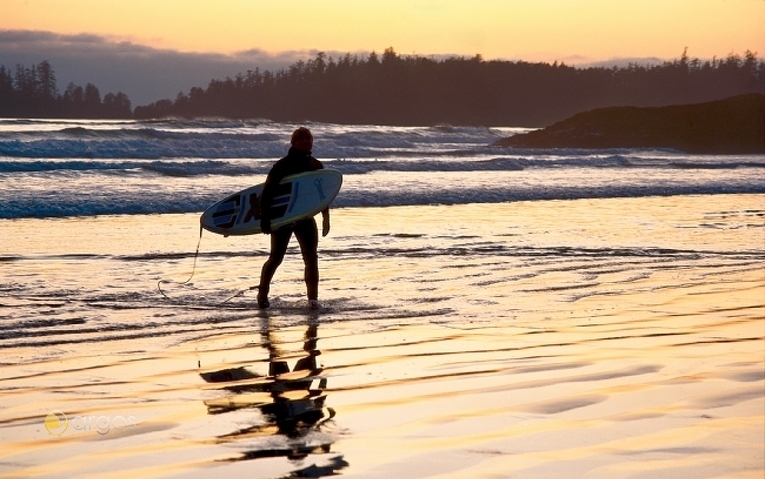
x: 732, y: 126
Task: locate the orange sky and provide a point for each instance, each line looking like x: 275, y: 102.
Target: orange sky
x: 532, y: 30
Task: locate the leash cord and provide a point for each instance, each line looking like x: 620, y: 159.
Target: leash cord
x: 194, y: 269
x: 241, y: 293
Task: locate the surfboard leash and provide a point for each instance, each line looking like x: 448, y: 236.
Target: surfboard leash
x: 241, y: 293
x: 193, y: 269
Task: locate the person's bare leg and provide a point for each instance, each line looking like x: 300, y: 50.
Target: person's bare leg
x: 280, y: 239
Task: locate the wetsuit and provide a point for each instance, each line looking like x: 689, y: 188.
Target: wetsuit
x: 305, y: 230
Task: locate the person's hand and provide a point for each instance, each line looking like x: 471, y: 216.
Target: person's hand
x: 325, y: 224
x: 265, y: 226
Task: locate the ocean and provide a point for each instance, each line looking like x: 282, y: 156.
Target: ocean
x: 485, y: 311
x: 86, y: 168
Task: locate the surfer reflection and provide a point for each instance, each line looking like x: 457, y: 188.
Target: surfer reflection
x: 292, y: 403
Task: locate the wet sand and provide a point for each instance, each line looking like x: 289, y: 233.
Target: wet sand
x: 591, y: 338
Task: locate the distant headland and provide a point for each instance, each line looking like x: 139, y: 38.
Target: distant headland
x: 734, y: 125
x: 391, y: 89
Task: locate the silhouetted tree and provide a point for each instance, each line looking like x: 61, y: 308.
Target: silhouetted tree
x: 412, y: 90
x: 32, y: 92
x: 46, y: 82
x: 7, y: 96
x: 116, y: 106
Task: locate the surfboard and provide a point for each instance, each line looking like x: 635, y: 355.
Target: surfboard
x: 297, y: 197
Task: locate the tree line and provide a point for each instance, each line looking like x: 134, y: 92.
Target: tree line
x: 32, y: 92
x: 407, y: 90
x: 413, y: 90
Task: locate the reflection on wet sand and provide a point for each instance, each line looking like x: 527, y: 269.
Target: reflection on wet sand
x: 291, y: 402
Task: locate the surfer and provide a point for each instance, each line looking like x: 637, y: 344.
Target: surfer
x: 298, y: 160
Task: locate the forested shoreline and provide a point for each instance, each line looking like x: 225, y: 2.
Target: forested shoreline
x: 391, y: 89
x: 33, y: 93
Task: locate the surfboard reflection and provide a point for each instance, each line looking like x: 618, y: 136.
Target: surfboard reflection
x: 292, y: 403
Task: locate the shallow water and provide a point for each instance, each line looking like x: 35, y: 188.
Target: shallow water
x: 583, y: 338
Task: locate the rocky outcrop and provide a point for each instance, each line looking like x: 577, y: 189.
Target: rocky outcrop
x: 732, y: 126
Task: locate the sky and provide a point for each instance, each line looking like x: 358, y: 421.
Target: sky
x: 153, y: 49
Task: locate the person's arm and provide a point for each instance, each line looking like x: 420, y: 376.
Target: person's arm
x: 267, y: 197
x: 265, y: 208
x: 325, y: 222
x: 265, y: 226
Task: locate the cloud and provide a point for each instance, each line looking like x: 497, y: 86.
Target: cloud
x: 143, y: 73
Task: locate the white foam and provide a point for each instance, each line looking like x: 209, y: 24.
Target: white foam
x: 82, y: 168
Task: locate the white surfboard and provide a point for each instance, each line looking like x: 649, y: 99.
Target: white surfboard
x: 298, y: 196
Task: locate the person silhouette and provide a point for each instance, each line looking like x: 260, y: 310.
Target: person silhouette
x: 298, y: 160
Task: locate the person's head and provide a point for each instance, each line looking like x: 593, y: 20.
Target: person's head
x: 302, y: 139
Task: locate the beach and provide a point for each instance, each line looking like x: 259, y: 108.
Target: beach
x: 606, y: 337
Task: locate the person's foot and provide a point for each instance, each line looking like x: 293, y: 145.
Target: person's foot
x: 263, y: 302
x: 313, y: 304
